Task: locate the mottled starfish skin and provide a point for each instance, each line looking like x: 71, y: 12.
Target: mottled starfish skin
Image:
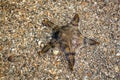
x: 67, y: 38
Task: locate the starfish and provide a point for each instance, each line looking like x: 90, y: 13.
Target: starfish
x: 67, y: 38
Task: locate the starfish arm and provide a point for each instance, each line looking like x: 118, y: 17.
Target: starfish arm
x: 45, y: 48
x: 70, y: 57
x: 48, y: 46
x: 90, y: 41
x: 75, y: 20
x: 69, y: 54
x: 50, y: 24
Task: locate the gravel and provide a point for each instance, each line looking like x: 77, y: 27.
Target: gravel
x: 22, y: 36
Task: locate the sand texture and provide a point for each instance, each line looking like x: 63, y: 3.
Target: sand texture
x: 22, y: 36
